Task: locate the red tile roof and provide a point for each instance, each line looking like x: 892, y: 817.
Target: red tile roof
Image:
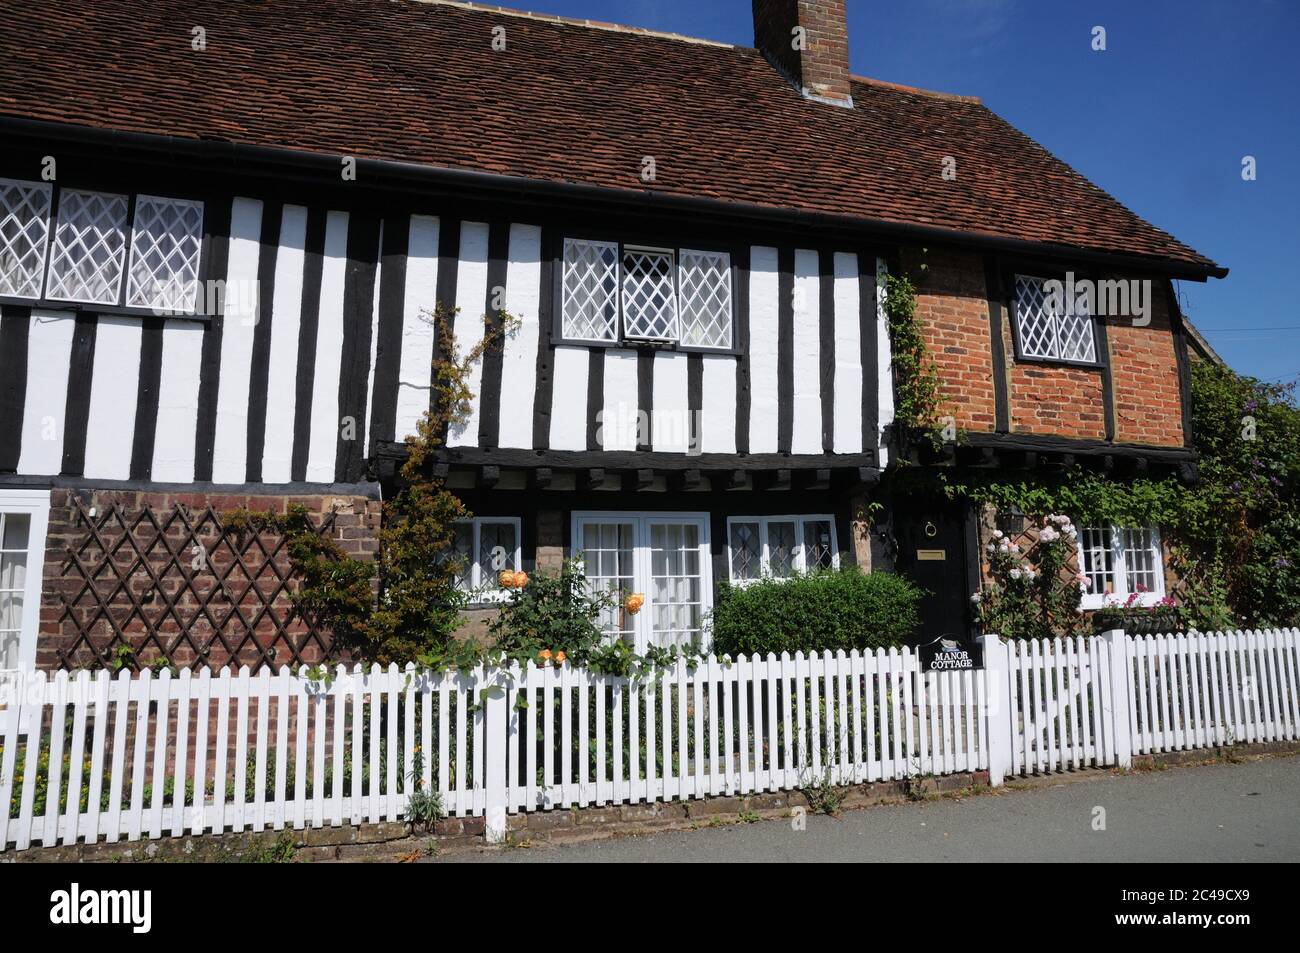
x: 420, y: 82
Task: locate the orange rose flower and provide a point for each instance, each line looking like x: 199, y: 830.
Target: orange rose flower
x: 544, y: 654
x: 560, y: 657
x: 506, y: 579
x: 633, y: 603
x: 521, y: 580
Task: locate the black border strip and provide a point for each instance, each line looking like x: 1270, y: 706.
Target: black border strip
x: 785, y: 349
x: 869, y: 345
x: 216, y: 259
x: 81, y: 369
x: 388, y: 349
x: 489, y: 394
x: 645, y: 398
x: 826, y: 344
x: 259, y: 369
x: 1184, y: 365
x: 358, y: 319
x: 15, y: 328
x: 993, y: 293
x: 146, y: 401
x: 595, y: 397
x: 544, y: 384
x: 694, y: 401
x: 313, y: 266
x: 744, y: 395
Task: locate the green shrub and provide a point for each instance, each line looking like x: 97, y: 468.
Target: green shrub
x: 844, y: 609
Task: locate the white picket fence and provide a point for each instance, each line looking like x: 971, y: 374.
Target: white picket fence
x: 92, y: 756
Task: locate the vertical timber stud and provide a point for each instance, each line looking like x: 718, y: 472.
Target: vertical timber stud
x: 496, y: 745
x: 1121, y: 684
x: 997, y: 707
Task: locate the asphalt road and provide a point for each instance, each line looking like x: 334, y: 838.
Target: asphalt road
x: 1221, y: 812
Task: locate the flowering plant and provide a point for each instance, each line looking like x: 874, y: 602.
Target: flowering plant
x: 1032, y: 592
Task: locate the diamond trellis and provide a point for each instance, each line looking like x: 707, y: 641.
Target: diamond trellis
x: 781, y: 544
x: 165, y: 244
x: 649, y: 302
x: 1045, y: 332
x: 817, y: 550
x: 24, y: 231
x: 590, y: 304
x: 86, y: 264
x: 704, y: 281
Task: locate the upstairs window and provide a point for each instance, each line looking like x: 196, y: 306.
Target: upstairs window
x: 1052, y: 330
x: 778, y: 547
x: 1123, y: 565
x: 95, y: 255
x: 24, y: 234
x: 612, y: 292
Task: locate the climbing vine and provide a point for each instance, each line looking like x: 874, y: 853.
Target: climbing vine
x: 916, y: 381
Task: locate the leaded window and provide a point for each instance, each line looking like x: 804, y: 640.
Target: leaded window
x: 649, y: 295
x: 24, y: 234
x: 1122, y: 565
x: 165, y: 244
x: 779, y: 547
x: 89, y: 242
x: 1052, y: 327
x: 590, y: 290
x: 704, y: 292
x: 611, y: 292
x: 484, y: 547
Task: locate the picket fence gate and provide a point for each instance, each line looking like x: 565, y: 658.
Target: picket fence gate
x: 92, y: 756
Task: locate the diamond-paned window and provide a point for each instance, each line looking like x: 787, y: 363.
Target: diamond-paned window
x: 590, y: 290
x: 89, y: 241
x: 649, y: 298
x: 1052, y: 329
x: 704, y: 293
x: 24, y: 234
x: 779, y: 547
x: 165, y: 244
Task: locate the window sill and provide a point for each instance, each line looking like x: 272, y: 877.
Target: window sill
x: 1143, y: 600
x: 1057, y: 362
x: 114, y: 310
x: 645, y: 347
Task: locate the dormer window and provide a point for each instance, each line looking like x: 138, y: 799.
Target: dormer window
x: 99, y: 248
x: 610, y: 292
x: 1051, y: 328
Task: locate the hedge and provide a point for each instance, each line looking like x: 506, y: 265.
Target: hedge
x: 844, y: 609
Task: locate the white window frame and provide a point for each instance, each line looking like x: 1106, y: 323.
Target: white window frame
x: 133, y: 287
x: 1119, y: 570
x: 480, y: 592
x: 48, y: 190
x: 124, y: 292
x: 641, y: 521
x: 765, y: 558
x: 36, y: 504
x: 618, y: 291
x: 620, y: 331
x: 55, y: 245
x: 1056, y: 357
x: 675, y: 332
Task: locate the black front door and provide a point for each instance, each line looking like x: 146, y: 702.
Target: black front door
x: 934, y: 552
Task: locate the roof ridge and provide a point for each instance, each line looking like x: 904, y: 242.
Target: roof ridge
x: 576, y: 21
x: 932, y: 93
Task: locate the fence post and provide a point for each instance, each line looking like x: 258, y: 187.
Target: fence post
x: 997, y: 707
x: 495, y: 743
x: 1121, y: 690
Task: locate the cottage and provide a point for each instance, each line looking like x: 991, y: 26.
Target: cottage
x: 218, y: 249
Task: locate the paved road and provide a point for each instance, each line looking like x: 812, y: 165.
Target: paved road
x: 1222, y: 812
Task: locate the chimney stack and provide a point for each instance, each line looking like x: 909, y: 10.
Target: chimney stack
x: 807, y: 41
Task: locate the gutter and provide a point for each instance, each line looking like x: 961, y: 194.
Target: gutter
x: 293, y: 163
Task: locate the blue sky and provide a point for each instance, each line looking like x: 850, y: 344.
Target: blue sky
x: 1161, y: 119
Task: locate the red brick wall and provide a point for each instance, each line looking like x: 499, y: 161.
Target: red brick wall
x: 952, y: 309
x: 1145, y: 376
x: 822, y: 66
x: 1043, y: 399
x: 119, y: 570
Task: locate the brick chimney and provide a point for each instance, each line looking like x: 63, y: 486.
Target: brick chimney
x: 807, y: 41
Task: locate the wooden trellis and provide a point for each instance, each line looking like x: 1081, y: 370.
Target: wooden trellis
x: 183, y: 586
